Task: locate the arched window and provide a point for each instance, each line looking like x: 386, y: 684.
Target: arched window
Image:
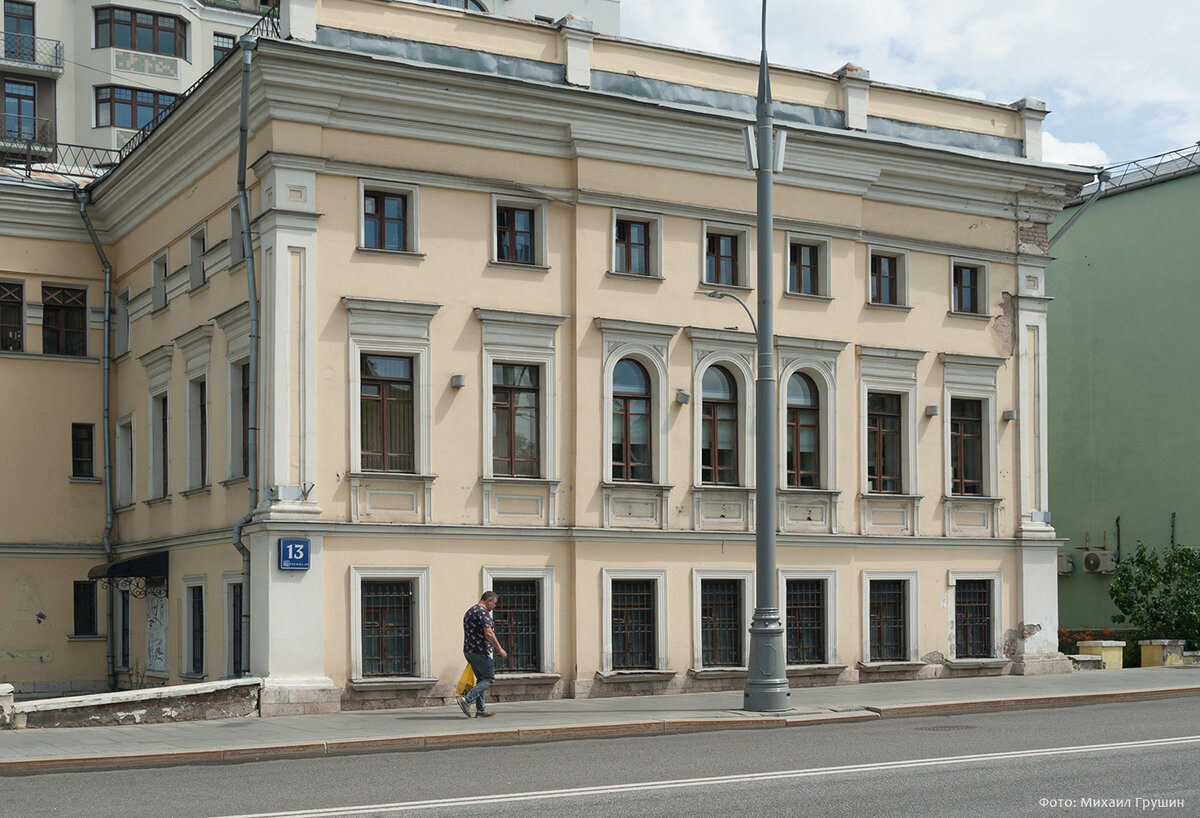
x: 631, y: 450
x: 803, y: 432
x: 719, y: 429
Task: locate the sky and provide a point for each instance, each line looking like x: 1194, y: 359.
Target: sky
x: 1121, y: 78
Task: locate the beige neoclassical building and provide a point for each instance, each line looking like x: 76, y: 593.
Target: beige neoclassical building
x: 486, y: 358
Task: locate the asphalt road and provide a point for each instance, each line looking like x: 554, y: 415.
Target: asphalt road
x: 1111, y: 759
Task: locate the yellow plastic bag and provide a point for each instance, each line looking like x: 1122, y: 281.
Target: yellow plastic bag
x: 465, y: 682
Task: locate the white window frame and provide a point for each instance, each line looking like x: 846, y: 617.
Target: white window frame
x: 228, y: 580
x: 972, y: 377
x: 649, y: 345
x: 901, y: 256
x: 720, y: 348
x: 159, y: 270
x: 412, y: 232
x: 607, y: 575
x: 982, y: 289
x: 995, y: 578
x: 742, y: 232
x: 829, y: 577
x: 185, y: 640
x: 823, y: 244
x: 197, y: 245
x: 745, y: 578
x: 654, y: 268
x: 399, y: 328
x: 237, y: 252
x: 818, y: 360
x: 544, y: 576
x: 528, y: 339
x: 419, y: 575
x: 158, y: 363
x: 910, y: 612
x: 541, y: 242
x: 891, y: 371
x: 126, y: 457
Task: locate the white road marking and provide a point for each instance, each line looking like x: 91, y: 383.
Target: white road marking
x: 577, y: 792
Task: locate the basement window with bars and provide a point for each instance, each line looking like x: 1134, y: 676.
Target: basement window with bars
x: 721, y: 624
x: 634, y: 622
x: 889, y: 620
x: 518, y: 618
x: 805, y: 613
x: 973, y: 619
x: 387, y: 628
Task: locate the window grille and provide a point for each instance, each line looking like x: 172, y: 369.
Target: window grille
x: 889, y: 625
x: 633, y: 624
x: 196, y: 600
x: 518, y: 625
x: 235, y: 627
x: 973, y: 619
x: 805, y: 622
x: 721, y: 622
x: 85, y: 608
x: 387, y: 628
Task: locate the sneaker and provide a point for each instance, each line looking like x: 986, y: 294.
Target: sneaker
x: 484, y: 714
x: 463, y: 705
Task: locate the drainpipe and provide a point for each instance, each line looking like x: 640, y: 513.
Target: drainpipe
x: 248, y: 44
x: 82, y: 195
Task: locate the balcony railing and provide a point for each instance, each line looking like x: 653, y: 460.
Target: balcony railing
x: 35, y: 129
x: 25, y: 49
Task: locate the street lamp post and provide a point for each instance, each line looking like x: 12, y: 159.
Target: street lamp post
x: 766, y: 683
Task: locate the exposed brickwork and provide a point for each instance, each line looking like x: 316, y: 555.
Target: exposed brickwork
x: 1034, y: 234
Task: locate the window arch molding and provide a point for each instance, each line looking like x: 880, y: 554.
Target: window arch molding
x: 647, y: 344
x: 739, y: 369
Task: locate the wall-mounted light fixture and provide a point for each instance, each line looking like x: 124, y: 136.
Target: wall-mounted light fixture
x: 682, y: 397
x: 1008, y: 414
x: 932, y: 410
x: 458, y: 381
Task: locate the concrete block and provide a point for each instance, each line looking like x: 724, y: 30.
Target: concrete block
x: 1111, y: 652
x: 1159, y: 652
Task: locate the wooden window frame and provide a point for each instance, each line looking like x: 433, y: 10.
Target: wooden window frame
x: 380, y: 198
x: 105, y: 26
x: 877, y: 434
x: 509, y: 405
x: 83, y: 435
x: 796, y: 268
x: 384, y: 402
x: 710, y: 475
x: 507, y: 235
x: 795, y: 476
x: 623, y: 247
x: 621, y: 418
x: 880, y: 276
x: 58, y: 304
x: 109, y: 100
x: 963, y: 436
x: 12, y: 316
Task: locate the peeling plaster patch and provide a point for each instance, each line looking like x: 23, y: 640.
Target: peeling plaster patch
x: 934, y: 658
x: 1029, y: 630
x: 1011, y: 638
x: 1004, y: 325
x: 25, y: 605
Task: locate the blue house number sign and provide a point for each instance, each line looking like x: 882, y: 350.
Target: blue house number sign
x: 293, y: 554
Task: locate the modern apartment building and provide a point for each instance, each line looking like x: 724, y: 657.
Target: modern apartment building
x: 487, y: 358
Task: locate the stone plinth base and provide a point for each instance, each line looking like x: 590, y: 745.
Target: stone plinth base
x: 1040, y: 664
x: 1112, y: 652
x: 1158, y: 652
x: 284, y: 696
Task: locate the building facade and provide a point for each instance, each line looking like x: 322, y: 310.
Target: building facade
x: 487, y: 359
x: 1113, y: 277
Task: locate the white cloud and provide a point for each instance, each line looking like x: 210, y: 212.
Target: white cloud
x: 1072, y: 153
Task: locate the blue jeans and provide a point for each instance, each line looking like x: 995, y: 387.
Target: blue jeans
x: 485, y: 673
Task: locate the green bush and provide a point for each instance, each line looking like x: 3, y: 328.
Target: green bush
x: 1159, y: 599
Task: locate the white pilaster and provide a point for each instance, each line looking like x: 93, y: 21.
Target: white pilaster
x: 577, y: 36
x: 856, y: 85
x: 1032, y: 112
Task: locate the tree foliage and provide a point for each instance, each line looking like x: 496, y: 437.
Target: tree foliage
x: 1160, y: 599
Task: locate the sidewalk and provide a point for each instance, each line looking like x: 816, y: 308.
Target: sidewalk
x: 253, y: 739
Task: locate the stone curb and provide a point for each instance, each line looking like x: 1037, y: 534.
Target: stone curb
x: 1027, y: 703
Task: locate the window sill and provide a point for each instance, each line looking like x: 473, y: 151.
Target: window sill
x: 705, y: 286
x: 884, y: 495
x: 893, y: 307
x: 651, y: 277
x: 392, y: 683
x: 522, y: 481
x: 634, y: 484
x: 503, y: 679
x: 198, y: 288
x: 160, y: 310
x: 194, y: 677
x: 618, y: 676
x: 516, y: 265
x: 120, y: 357
x: 890, y: 667
x: 976, y: 663
x: 233, y: 481
x: 383, y: 251
x: 718, y: 672
x: 41, y: 356
x: 126, y: 507
x: 808, y: 297
x: 391, y: 475
x: 88, y: 637
x: 800, y: 491
x: 814, y: 670
x: 970, y: 498
x: 157, y: 501
x: 74, y: 479
x: 978, y: 316
x: 205, y: 489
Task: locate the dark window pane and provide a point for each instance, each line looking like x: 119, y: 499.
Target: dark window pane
x: 721, y: 622
x: 634, y: 640
x: 85, y: 608
x: 518, y: 625
x: 889, y: 620
x: 387, y: 628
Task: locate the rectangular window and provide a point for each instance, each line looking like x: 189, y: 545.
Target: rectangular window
x: 159, y: 448
x: 633, y: 624
x: 124, y: 447
x: 804, y: 273
x: 123, y: 630
x: 805, y: 614
x: 196, y: 248
x: 222, y: 45
x: 131, y: 107
x: 197, y: 433
x: 158, y: 282
x: 140, y: 31
x: 20, y: 110
x: 18, y: 31
x: 516, y: 421
x: 82, y: 450
x: 385, y: 221
x: 519, y: 625
x: 387, y: 628
x: 721, y: 624
x: 973, y: 619
x: 966, y: 446
x: 12, y: 317
x: 85, y: 608
x: 386, y: 414
x: 235, y: 629
x: 515, y: 235
x: 632, y: 251
x: 64, y: 321
x: 889, y: 620
x: 883, y: 443
x: 195, y: 630
x: 885, y: 279
x: 237, y: 251
x: 721, y: 259
x: 967, y: 280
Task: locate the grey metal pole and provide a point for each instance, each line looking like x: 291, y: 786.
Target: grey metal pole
x: 766, y: 683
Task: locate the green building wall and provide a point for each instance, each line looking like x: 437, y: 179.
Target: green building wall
x: 1124, y: 382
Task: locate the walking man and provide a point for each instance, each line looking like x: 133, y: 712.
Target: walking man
x: 479, y: 639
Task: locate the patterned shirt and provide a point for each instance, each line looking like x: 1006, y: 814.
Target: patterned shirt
x: 474, y: 621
